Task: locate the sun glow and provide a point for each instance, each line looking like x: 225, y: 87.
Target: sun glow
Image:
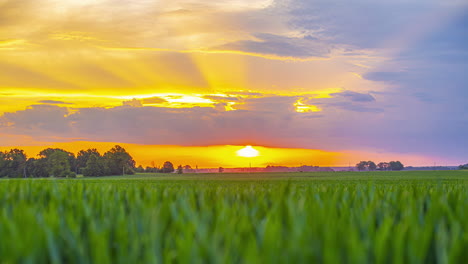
x: 248, y: 152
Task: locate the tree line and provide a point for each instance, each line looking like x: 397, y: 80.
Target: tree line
x: 167, y: 167
x: 382, y: 166
x: 55, y: 162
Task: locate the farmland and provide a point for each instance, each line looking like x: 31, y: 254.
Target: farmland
x: 371, y: 217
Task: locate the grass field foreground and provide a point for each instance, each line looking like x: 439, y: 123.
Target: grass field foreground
x: 412, y: 217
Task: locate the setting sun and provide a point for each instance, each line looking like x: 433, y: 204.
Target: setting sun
x: 248, y: 152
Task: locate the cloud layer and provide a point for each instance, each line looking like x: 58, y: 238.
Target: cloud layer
x: 374, y: 75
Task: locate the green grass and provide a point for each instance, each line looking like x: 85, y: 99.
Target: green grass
x: 379, y: 217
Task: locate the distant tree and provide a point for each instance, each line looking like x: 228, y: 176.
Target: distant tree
x: 37, y: 168
x: 371, y: 166
x: 167, y: 167
x: 366, y: 165
x: 362, y: 165
x: 187, y: 167
x: 59, y: 164
x: 383, y: 166
x: 3, y: 165
x: 94, y: 166
x: 13, y: 163
x: 396, y: 165
x: 463, y: 167
x: 180, y: 170
x: 140, y: 169
x: 152, y: 169
x: 119, y: 161
x: 220, y: 169
x: 46, y: 153
x: 83, y: 156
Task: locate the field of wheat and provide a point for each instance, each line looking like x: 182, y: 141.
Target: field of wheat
x: 380, y: 217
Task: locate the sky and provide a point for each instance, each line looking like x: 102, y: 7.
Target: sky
x: 305, y: 82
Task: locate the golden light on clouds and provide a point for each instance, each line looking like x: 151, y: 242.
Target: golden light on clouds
x: 204, y: 73
x: 301, y: 107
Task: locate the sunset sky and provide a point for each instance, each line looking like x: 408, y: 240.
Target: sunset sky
x: 304, y: 82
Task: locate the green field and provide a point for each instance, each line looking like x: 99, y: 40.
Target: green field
x: 341, y: 217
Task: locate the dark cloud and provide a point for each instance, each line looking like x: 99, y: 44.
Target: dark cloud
x: 334, y: 105
x: 424, y: 77
x: 389, y: 77
x: 187, y: 126
x: 271, y: 121
x: 364, y: 24
x: 311, y: 116
x: 270, y: 104
x: 270, y: 44
x: 37, y: 119
x: 348, y: 101
x: 358, y: 108
x: 424, y: 97
x: 445, y: 44
x: 53, y: 102
x: 432, y: 79
x: 355, y: 97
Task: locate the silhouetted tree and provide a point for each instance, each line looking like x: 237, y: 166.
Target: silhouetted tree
x: 167, y: 167
x: 13, y: 163
x: 140, y: 169
x: 361, y: 165
x: 180, y: 170
x: 119, y: 161
x: 83, y: 156
x: 220, y: 169
x: 37, y: 168
x: 383, y: 166
x: 396, y: 165
x: 95, y: 166
x: 366, y: 165
x: 46, y: 153
x: 371, y: 166
x: 59, y: 164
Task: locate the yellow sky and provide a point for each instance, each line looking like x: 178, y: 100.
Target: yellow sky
x: 91, y: 53
x: 177, y: 73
